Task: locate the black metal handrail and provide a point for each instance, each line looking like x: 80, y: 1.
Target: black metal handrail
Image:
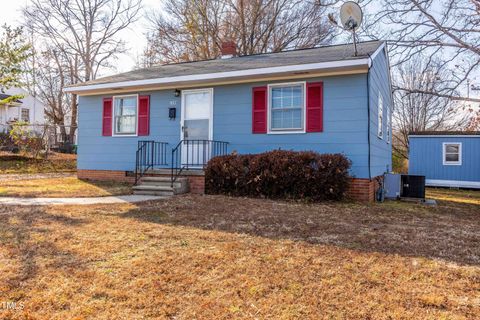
x: 195, y: 154
x: 149, y: 154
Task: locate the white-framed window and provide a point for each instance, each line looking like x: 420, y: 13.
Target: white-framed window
x: 452, y: 153
x: 125, y: 114
x: 389, y: 120
x: 380, y: 116
x: 25, y: 115
x: 286, y: 106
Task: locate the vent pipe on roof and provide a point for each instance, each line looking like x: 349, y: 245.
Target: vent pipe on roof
x: 228, y: 50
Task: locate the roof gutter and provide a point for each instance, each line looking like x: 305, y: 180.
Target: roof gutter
x: 305, y: 70
x: 444, y: 136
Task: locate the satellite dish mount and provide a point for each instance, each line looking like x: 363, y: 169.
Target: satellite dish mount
x: 351, y: 16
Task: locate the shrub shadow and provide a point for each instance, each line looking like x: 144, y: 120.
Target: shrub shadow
x: 24, y: 240
x: 449, y: 231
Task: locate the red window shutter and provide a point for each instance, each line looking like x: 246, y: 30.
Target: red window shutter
x: 315, y: 107
x: 143, y: 115
x: 259, y: 110
x: 107, y: 117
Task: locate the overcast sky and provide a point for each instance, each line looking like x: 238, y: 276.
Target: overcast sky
x: 134, y: 36
x: 135, y: 39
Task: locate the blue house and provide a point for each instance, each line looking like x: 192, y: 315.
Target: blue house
x: 446, y: 159
x: 170, y: 118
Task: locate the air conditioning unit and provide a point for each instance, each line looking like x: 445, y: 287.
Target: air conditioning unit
x: 404, y: 186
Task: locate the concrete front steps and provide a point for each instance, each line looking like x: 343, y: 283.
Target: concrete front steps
x: 161, y: 186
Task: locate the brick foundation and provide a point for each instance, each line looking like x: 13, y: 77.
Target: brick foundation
x: 359, y: 189
x: 363, y: 189
x: 105, y: 175
x: 196, y: 182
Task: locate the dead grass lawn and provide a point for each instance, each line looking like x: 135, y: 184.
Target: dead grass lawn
x: 455, y: 195
x: 62, y: 187
x: 56, y: 162
x: 214, y: 257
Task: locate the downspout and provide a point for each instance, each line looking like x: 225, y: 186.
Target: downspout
x: 369, y: 116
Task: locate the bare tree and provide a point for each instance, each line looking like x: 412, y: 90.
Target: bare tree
x: 418, y: 110
x: 80, y: 38
x: 447, y: 31
x: 474, y: 122
x: 54, y: 72
x: 189, y: 30
x: 434, y: 48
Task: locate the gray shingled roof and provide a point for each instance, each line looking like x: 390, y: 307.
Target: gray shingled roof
x: 5, y: 96
x: 286, y: 58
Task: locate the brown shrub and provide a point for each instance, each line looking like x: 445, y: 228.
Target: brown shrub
x: 279, y: 174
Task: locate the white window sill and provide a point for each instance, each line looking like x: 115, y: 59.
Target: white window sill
x: 452, y: 164
x: 286, y: 132
x: 124, y: 135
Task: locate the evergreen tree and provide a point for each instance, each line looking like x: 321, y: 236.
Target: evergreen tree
x: 14, y: 50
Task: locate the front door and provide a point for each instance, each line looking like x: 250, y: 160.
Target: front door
x: 197, y: 132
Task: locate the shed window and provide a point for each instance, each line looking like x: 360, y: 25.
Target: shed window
x: 125, y: 115
x: 380, y: 116
x: 25, y: 116
x: 452, y: 153
x: 287, y: 107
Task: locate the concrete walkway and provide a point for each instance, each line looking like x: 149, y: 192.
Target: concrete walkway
x: 76, y: 201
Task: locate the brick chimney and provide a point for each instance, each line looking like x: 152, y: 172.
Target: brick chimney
x: 229, y: 49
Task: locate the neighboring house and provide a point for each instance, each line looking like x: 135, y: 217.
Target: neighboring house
x: 27, y: 109
x: 446, y: 159
x: 322, y: 99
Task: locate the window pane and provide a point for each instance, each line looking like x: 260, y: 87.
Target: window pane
x: 196, y: 129
x: 125, y: 106
x: 297, y: 91
x: 287, y: 97
x: 452, y: 157
x: 276, y: 103
x: 296, y: 117
x: 126, y: 115
x: 277, y: 119
x: 197, y: 105
x: 287, y: 105
x: 125, y: 124
x: 287, y: 119
x: 276, y: 93
x: 451, y: 148
x: 297, y: 101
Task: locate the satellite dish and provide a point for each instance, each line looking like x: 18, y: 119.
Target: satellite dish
x: 351, y: 16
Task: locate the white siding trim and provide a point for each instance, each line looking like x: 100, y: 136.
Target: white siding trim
x: 452, y: 183
x: 374, y: 55
x: 310, y: 67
